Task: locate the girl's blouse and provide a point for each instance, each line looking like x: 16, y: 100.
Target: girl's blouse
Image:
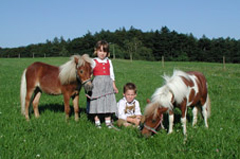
x: 105, y: 61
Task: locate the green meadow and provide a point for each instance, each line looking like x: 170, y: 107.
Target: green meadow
x: 50, y: 136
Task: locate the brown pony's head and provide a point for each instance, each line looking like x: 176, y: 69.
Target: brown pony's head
x: 84, y: 70
x: 152, y: 119
x: 77, y: 69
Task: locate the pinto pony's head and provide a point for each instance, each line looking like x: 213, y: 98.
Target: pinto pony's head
x: 152, y: 119
x: 78, y: 68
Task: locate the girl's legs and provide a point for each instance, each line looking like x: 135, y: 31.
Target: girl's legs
x: 108, y: 121
x: 97, y: 122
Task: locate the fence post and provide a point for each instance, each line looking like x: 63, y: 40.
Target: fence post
x: 163, y: 61
x: 224, y: 67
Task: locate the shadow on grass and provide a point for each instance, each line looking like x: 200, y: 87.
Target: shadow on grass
x: 56, y: 108
x: 177, y: 119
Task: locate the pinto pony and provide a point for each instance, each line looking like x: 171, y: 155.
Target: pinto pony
x: 66, y: 79
x: 182, y: 90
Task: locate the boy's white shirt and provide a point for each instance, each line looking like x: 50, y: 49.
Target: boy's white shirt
x: 105, y: 61
x: 121, y: 105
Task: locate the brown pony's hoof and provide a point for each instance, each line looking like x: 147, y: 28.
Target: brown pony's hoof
x: 77, y: 119
x: 67, y: 118
x: 27, y: 118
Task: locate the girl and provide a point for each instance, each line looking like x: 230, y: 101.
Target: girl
x: 103, y: 98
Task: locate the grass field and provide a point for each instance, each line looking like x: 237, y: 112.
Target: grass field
x: 51, y: 136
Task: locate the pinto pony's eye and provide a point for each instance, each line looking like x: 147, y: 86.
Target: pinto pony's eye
x: 81, y: 71
x: 153, y: 121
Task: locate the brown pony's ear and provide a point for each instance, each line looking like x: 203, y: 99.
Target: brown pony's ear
x: 162, y: 110
x: 76, y: 60
x: 148, y: 101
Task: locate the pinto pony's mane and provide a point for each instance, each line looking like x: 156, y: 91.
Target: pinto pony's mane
x: 173, y: 90
x: 67, y: 71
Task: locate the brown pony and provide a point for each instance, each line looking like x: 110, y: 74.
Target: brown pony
x: 182, y: 90
x: 66, y: 79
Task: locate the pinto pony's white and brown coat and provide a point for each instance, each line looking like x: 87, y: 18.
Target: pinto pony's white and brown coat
x: 182, y: 89
x: 66, y: 79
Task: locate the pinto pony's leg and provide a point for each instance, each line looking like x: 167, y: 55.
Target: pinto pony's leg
x: 183, y: 118
x: 206, y: 111
x: 76, y: 107
x: 184, y: 125
x: 195, y: 113
x: 171, y: 119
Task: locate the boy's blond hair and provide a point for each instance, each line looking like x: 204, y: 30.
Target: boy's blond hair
x: 129, y: 86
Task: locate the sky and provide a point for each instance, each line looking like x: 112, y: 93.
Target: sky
x: 25, y: 22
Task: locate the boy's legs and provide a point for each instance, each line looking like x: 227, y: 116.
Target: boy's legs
x: 121, y: 122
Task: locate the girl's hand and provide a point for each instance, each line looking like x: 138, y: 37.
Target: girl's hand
x: 115, y: 88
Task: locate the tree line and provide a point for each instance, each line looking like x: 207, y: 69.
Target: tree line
x: 135, y: 44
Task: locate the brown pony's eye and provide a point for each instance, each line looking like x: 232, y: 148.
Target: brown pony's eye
x: 153, y: 121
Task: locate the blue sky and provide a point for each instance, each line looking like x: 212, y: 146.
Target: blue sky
x: 25, y: 22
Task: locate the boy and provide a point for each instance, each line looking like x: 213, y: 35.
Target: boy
x: 128, y: 108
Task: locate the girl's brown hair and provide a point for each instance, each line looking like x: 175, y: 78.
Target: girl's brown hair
x: 105, y: 46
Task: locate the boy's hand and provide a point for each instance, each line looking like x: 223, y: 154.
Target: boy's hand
x: 137, y: 121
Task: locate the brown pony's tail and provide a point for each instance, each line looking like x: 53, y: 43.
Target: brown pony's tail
x: 208, y: 102
x: 23, y: 91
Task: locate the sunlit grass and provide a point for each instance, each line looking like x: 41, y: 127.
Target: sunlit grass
x: 51, y: 137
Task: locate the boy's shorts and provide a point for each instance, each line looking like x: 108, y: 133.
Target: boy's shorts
x: 121, y: 122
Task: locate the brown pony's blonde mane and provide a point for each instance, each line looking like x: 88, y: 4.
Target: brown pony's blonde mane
x: 67, y: 72
x: 84, y: 58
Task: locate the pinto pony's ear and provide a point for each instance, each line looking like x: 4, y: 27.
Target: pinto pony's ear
x: 162, y: 110
x: 143, y: 119
x: 148, y: 101
x: 76, y: 59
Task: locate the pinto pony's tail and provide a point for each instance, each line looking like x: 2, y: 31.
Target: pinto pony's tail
x: 208, y: 103
x: 23, y: 91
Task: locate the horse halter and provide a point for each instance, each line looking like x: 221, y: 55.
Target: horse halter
x: 153, y: 130
x: 82, y: 82
x: 86, y: 81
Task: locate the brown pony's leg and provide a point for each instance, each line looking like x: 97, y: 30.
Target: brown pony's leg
x: 66, y: 105
x: 76, y: 107
x: 27, y: 102
x: 36, y: 98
